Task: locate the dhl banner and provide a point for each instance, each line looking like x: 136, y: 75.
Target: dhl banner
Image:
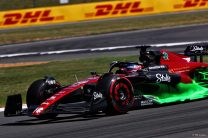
x: 92, y: 11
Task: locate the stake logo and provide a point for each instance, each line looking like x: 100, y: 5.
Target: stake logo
x: 28, y: 17
x: 163, y: 78
x: 119, y: 9
x: 192, y: 3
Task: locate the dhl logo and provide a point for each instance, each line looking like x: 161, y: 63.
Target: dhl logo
x: 27, y: 17
x: 119, y: 8
x: 192, y: 3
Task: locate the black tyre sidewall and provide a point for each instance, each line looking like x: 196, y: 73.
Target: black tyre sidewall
x: 104, y: 85
x: 35, y: 93
x: 35, y: 96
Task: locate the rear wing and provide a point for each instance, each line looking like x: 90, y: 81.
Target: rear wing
x: 193, y: 50
x: 196, y: 50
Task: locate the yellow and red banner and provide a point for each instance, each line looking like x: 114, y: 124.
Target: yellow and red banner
x: 92, y: 11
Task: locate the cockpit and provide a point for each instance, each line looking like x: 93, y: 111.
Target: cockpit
x: 147, y: 58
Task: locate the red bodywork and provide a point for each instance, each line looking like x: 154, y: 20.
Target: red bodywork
x: 53, y: 99
x: 181, y: 64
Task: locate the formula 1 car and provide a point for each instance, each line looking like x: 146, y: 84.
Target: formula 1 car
x: 160, y: 77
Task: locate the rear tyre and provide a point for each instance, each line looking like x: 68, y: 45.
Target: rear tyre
x: 118, y: 92
x: 36, y: 94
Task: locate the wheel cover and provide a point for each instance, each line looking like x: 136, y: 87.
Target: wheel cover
x: 122, y: 96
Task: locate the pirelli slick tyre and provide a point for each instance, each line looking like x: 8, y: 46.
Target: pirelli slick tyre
x: 118, y: 92
x: 36, y: 95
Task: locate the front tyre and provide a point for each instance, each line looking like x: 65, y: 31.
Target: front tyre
x: 37, y: 93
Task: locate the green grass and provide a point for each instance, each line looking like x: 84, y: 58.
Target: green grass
x: 23, y: 4
x: 17, y: 79
x: 71, y: 30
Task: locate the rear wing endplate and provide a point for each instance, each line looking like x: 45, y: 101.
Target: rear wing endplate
x: 196, y: 50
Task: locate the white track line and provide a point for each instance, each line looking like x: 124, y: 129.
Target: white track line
x: 24, y: 106
x: 1, y: 109
x: 95, y: 49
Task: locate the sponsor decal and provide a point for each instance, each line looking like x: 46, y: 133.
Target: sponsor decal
x: 38, y: 110
x: 29, y: 17
x: 188, y: 59
x: 157, y: 67
x: 45, y: 103
x: 146, y: 102
x: 97, y: 95
x: 52, y: 97
x: 119, y: 9
x: 165, y: 56
x: 192, y: 4
x: 163, y: 78
x: 196, y: 48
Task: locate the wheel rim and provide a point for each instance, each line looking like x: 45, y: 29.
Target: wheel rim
x: 121, y: 96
